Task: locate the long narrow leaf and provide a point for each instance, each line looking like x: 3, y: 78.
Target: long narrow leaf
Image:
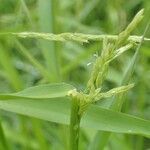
x: 41, y: 92
x: 96, y: 117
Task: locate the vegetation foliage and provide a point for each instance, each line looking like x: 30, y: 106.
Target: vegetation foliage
x: 73, y: 75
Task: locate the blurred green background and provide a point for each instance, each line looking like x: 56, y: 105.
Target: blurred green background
x: 21, y: 62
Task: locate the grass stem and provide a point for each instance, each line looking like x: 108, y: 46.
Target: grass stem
x: 74, y: 124
x: 2, y: 138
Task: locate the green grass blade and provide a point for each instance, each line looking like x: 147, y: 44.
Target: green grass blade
x: 96, y: 117
x: 100, y: 140
x: 33, y: 61
x: 41, y: 91
x: 3, y: 139
x: 20, y: 139
x: 39, y: 134
x: 87, y: 9
x: 12, y: 74
x: 47, y: 23
x: 26, y: 11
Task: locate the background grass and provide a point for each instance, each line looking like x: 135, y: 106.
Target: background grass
x: 24, y: 63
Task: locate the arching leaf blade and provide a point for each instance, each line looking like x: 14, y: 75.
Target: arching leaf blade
x: 96, y: 117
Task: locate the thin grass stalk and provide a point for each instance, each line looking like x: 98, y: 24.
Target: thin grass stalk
x: 12, y: 74
x: 68, y: 36
x: 33, y: 60
x: 26, y: 10
x: 37, y: 128
x: 74, y: 124
x: 3, y: 141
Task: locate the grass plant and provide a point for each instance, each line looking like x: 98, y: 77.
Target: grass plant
x: 79, y: 107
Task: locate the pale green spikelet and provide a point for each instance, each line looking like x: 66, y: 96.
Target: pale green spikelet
x: 123, y: 36
x: 113, y: 92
